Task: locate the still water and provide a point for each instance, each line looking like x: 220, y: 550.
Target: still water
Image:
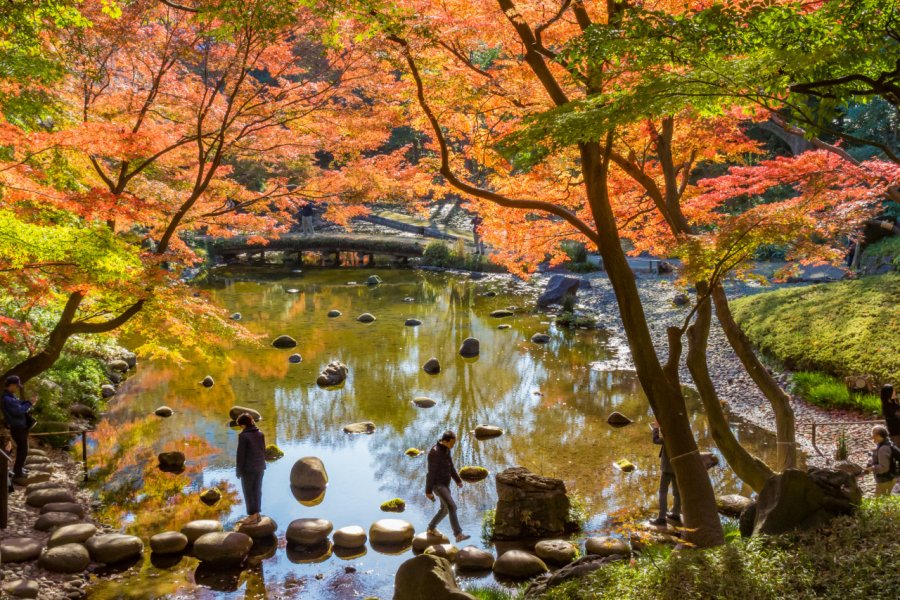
x: 549, y: 399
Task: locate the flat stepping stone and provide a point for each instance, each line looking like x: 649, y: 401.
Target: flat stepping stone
x: 308, y: 532
x: 221, y: 548
x: 518, y: 564
x: 470, y: 473
x: 39, y: 498
x: 448, y: 551
x: 43, y: 485
x: 264, y: 529
x: 112, y: 548
x: 168, y: 542
x: 284, y: 341
x: 69, y: 507
x: 540, y: 338
x: 37, y: 460
x: 333, y: 314
x: 617, y: 419
x: 412, y: 322
x: 53, y: 520
x: 353, y: 536
x: 34, y: 477
x: 557, y: 552
x: 473, y: 558
x: 424, y: 540
x: 504, y: 326
x: 76, y: 533
x: 424, y: 402
x: 21, y: 588
x: 363, y: 427
x: 236, y: 411
x: 487, y: 431
x: 68, y: 558
x: 391, y: 532
x: 20, y: 549
x: 164, y: 412
x: 501, y: 313
x: 606, y: 546
x: 195, y: 529
x: 366, y: 318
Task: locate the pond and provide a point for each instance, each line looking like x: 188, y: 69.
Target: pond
x: 551, y: 400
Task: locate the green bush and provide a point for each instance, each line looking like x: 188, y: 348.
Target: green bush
x: 576, y: 251
x: 439, y: 254
x: 568, y: 319
x: 827, y: 391
x: 436, y: 254
x: 854, y: 557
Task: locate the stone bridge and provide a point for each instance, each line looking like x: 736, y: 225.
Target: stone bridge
x: 229, y: 249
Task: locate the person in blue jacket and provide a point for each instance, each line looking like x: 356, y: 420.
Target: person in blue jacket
x: 15, y: 411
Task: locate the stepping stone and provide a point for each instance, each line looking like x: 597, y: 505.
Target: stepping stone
x: 34, y: 477
x: 333, y: 314
x: 540, y: 338
x: 350, y: 537
x: 501, y: 313
x: 473, y: 558
x: 20, y: 549
x: 448, y: 551
x: 221, y: 548
x: 164, y: 411
x: 391, y: 531
x: 424, y: 402
x: 308, y: 532
x: 558, y: 552
x: 432, y: 366
x: 39, y: 498
x: 422, y: 541
x: 504, y: 326
x: 195, y: 529
x: 617, y: 419
x: 606, y: 546
x: 43, y: 485
x: 236, y: 411
x: 367, y: 427
x: 76, y: 533
x: 37, y: 452
x: 53, y: 520
x: 265, y: 528
x: 168, y: 542
x: 518, y: 564
x: 366, y: 318
x: 69, y: 507
x: 112, y: 548
x: 36, y: 460
x: 486, y: 431
x: 208, y: 381
x: 284, y: 341
x: 68, y: 558
x: 295, y: 359
x: 412, y: 322
x: 470, y: 348
x: 21, y: 588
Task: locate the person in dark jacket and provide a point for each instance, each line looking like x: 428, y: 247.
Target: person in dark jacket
x: 880, y: 463
x: 666, y: 478
x: 15, y: 411
x: 437, y: 483
x: 251, y: 465
x: 890, y: 409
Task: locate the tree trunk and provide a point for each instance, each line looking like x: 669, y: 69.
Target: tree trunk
x: 701, y: 520
x: 785, y: 433
x: 748, y: 467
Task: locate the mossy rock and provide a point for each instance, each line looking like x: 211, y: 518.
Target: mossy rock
x: 273, y: 452
x: 413, y: 452
x: 394, y: 505
x: 470, y: 473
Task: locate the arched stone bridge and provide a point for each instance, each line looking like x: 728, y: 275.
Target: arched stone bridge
x: 325, y: 243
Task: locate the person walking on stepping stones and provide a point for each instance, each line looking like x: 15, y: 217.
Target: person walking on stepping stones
x: 437, y: 483
x: 17, y: 413
x: 251, y: 465
x: 666, y: 478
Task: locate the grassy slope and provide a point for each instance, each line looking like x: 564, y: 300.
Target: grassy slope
x: 855, y: 557
x: 843, y: 328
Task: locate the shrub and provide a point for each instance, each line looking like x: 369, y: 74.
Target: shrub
x: 569, y: 319
x: 436, y: 254
x: 273, y: 452
x: 576, y: 251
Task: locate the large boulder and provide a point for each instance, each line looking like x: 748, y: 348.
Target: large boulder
x: 353, y: 536
x: 335, y: 373
x: 518, y: 564
x: 194, y: 529
x: 470, y: 348
x: 284, y: 342
x: 221, y: 548
x: 308, y: 532
x: 473, y: 558
x: 606, y: 546
x: 309, y: 473
x: 77, y: 533
x: 530, y: 506
x: 20, y: 549
x: 391, y: 532
x: 171, y: 461
x: 427, y: 576
x: 168, y: 542
x: 262, y: 529
x: 112, y: 548
x: 52, y: 520
x: 732, y: 505
x: 557, y: 552
x: 235, y: 411
x: 68, y: 558
x: 40, y: 497
x: 560, y: 286
x: 362, y: 427
x: 796, y: 499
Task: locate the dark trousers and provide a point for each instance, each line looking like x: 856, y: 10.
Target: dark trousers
x: 448, y: 506
x: 664, y: 481
x: 20, y: 437
x: 251, y: 483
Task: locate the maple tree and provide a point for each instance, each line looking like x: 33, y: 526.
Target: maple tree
x: 139, y: 144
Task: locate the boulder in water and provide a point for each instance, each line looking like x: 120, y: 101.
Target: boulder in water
x: 194, y: 529
x: 334, y: 374
x: 448, y: 551
x: 501, y: 313
x: 333, y: 314
x: 472, y: 474
x: 617, y: 419
x: 540, y: 338
x: 273, y: 452
x: 487, y: 431
x: 208, y: 381
x: 424, y: 402
x: 363, y: 427
x: 531, y: 506
x: 308, y: 532
x: 518, y: 564
x: 221, y: 548
x: 606, y: 546
x: 427, y: 576
x: 68, y: 558
x: 236, y: 316
x: 504, y: 326
x: 560, y: 286
x: 412, y: 322
x: 470, y: 348
x: 164, y: 411
x: 473, y: 558
x: 112, y: 548
x: 236, y: 411
x: 107, y: 391
x: 557, y: 552
x: 295, y: 359
x: 366, y: 318
x: 392, y: 532
x: 210, y: 496
x: 393, y: 505
x: 171, y: 461
x: 432, y: 366
x: 423, y: 540
x: 309, y: 473
x: 261, y: 530
x: 353, y: 536
x: 373, y: 280
x: 168, y: 542
x: 117, y: 365
x: 284, y: 342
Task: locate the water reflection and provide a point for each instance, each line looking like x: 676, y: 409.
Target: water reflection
x: 551, y: 404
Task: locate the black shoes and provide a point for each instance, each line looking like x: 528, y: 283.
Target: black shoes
x: 674, y: 517
x: 658, y: 522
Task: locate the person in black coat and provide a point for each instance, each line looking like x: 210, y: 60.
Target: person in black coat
x: 890, y: 409
x: 16, y: 412
x: 666, y: 478
x: 251, y: 465
x: 437, y: 483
